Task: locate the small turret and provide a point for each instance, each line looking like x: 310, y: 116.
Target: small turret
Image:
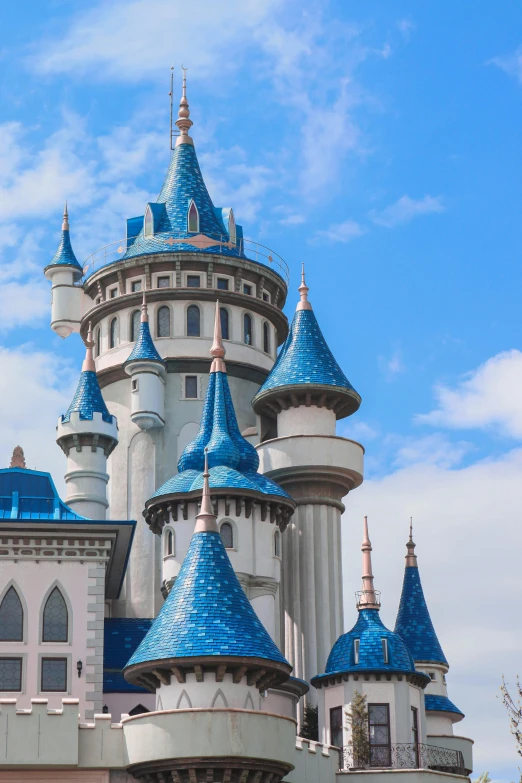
x: 147, y: 371
x: 87, y: 434
x: 64, y: 272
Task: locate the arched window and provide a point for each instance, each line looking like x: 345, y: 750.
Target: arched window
x: 277, y: 544
x: 227, y: 535
x: 163, y: 322
x: 11, y: 618
x: 135, y: 325
x: 266, y: 338
x: 247, y: 329
x: 193, y: 321
x: 148, y: 223
x: 223, y: 315
x: 193, y: 218
x: 113, y: 333
x: 98, y: 342
x: 55, y: 618
x: 232, y: 227
x: 168, y: 543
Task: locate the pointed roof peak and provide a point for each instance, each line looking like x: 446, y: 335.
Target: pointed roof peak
x: 206, y: 519
x: 184, y: 122
x: 88, y: 363
x: 411, y: 557
x: 217, y: 351
x: 144, y: 310
x: 64, y: 256
x: 65, y: 223
x: 303, y: 289
x: 368, y: 597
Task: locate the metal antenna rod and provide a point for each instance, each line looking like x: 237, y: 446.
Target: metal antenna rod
x: 171, y: 93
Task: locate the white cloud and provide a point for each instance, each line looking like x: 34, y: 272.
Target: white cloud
x: 406, y: 27
x: 467, y: 530
x: 342, y: 232
x: 405, y: 209
x: 510, y: 63
x: 432, y: 449
x: 487, y: 397
x: 393, y: 365
x: 293, y: 220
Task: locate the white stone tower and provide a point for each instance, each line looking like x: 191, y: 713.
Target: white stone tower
x: 64, y: 272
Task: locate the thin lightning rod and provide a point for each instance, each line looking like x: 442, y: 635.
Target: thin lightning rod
x: 171, y: 93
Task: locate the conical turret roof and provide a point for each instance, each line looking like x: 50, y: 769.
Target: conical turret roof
x: 65, y: 256
x: 144, y: 349
x: 88, y: 398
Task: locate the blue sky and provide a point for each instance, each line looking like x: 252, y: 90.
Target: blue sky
x: 380, y: 144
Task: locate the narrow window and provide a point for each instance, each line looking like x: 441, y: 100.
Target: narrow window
x: 135, y: 325
x: 135, y: 385
x: 266, y: 338
x: 277, y: 544
x: 247, y: 289
x: 148, y: 223
x: 415, y: 733
x: 384, y: 643
x: 193, y: 218
x: 169, y: 543
x: 247, y: 329
x: 135, y: 286
x: 163, y: 322
x: 356, y: 646
x: 193, y: 281
x: 98, y: 342
x: 55, y: 618
x: 163, y: 282
x: 113, y: 333
x: 336, y: 727
x: 193, y: 321
x: 223, y: 317
x: 113, y: 293
x: 222, y: 283
x: 191, y: 387
x: 379, y: 734
x: 54, y: 674
x: 11, y: 618
x: 432, y: 675
x: 10, y: 674
x: 232, y: 227
x: 266, y: 297
x: 227, y: 535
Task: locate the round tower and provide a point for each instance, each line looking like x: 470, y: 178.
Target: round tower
x: 87, y: 434
x: 64, y: 272
x: 298, y: 406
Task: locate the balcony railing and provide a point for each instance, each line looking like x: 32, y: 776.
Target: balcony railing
x: 404, y: 756
x: 217, y: 244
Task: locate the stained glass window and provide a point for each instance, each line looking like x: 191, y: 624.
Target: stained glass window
x: 223, y: 316
x: 10, y: 674
x: 227, y: 535
x: 379, y: 733
x: 163, y: 282
x: 11, y: 618
x: 54, y: 674
x: 135, y: 325
x: 163, y: 319
x: 193, y: 321
x: 247, y: 329
x: 55, y: 618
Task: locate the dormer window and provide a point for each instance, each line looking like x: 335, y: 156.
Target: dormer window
x: 384, y: 643
x: 356, y: 645
x: 193, y: 218
x: 148, y: 222
x: 232, y: 227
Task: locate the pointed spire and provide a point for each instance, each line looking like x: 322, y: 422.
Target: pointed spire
x: 65, y: 223
x: 184, y: 122
x: 368, y: 597
x: 303, y: 289
x: 411, y: 557
x: 144, y: 311
x: 88, y: 363
x: 206, y: 519
x: 218, y: 349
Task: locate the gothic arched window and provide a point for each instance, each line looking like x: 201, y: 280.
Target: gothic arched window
x: 55, y: 618
x: 247, y: 329
x: 223, y: 316
x: 135, y: 325
x: 168, y: 543
x: 113, y: 333
x: 193, y: 321
x: 163, y: 322
x: 11, y: 618
x: 148, y: 222
x: 266, y: 338
x: 193, y: 218
x: 227, y: 535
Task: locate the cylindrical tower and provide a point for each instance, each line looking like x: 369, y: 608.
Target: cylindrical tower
x: 64, y: 272
x: 87, y: 434
x: 304, y: 395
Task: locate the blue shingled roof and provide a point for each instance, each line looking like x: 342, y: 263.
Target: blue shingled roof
x: 144, y: 348
x: 414, y: 623
x: 434, y: 703
x: 31, y: 494
x: 122, y: 636
x: 305, y: 358
x: 65, y: 254
x: 370, y: 631
x: 183, y: 183
x: 232, y: 460
x: 88, y: 399
x: 207, y: 612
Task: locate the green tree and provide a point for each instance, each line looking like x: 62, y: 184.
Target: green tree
x: 357, y: 717
x: 310, y: 725
x: 483, y: 778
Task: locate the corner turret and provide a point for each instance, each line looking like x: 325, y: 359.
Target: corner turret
x: 64, y: 272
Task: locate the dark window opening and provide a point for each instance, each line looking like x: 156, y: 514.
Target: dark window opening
x: 247, y: 289
x: 222, y: 284
x: 11, y: 617
x: 135, y: 325
x: 191, y: 387
x: 266, y: 338
x: 193, y: 321
x: 54, y: 674
x: 163, y: 322
x: 139, y: 709
x: 10, y: 674
x: 193, y: 217
x: 113, y: 333
x: 193, y: 281
x: 247, y: 329
x: 227, y: 535
x: 223, y: 317
x: 336, y: 727
x: 379, y: 734
x: 55, y: 618
x: 163, y: 282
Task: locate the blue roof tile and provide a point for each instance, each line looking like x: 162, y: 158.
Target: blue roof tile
x: 31, y: 494
x: 65, y: 254
x: 144, y: 348
x: 207, y: 612
x: 88, y: 399
x: 434, y: 703
x: 121, y: 638
x: 414, y: 623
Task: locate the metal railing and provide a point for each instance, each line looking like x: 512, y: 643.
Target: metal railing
x: 410, y: 755
x: 216, y: 243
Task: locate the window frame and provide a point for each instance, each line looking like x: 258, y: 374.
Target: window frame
x: 226, y: 311
x: 166, y: 308
x: 382, y: 760
x: 184, y: 377
x: 12, y: 585
x: 135, y: 282
x: 267, y: 341
x: 336, y: 712
x: 190, y: 230
x: 247, y: 285
x: 222, y: 279
x: 277, y: 544
x: 113, y: 292
x: 58, y: 657
x: 198, y: 308
x: 114, y: 339
x: 16, y: 657
x: 148, y: 217
x: 233, y: 531
x: 168, y: 278
x: 56, y: 585
x: 385, y: 650
x: 134, y: 328
x: 168, y: 533
x: 251, y: 318
x: 356, y: 651
x: 193, y: 276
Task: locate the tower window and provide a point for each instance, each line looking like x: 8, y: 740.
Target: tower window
x: 336, y: 727
x: 163, y: 282
x: 55, y: 618
x: 113, y: 333
x: 148, y: 223
x: 247, y: 329
x: 11, y: 618
x: 193, y: 281
x: 191, y: 387
x: 168, y: 549
x: 222, y: 283
x: 266, y: 296
x: 223, y: 317
x: 384, y: 643
x: 379, y: 734
x: 227, y: 535
x: 277, y: 544
x: 10, y: 674
x: 163, y: 322
x: 136, y: 286
x: 432, y: 675
x: 97, y: 348
x: 54, y: 674
x: 113, y: 293
x: 135, y: 385
x: 193, y: 321
x: 247, y: 289
x: 193, y: 218
x: 135, y: 325
x: 266, y: 338
x: 356, y: 646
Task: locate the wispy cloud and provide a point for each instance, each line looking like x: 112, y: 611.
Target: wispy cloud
x: 342, y: 232
x: 510, y: 63
x: 406, y: 28
x: 406, y: 209
x: 393, y: 365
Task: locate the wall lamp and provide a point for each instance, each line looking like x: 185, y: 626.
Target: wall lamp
x: 79, y: 667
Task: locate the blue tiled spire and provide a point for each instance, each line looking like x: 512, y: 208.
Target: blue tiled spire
x: 144, y: 348
x: 207, y: 612
x: 88, y: 398
x: 413, y: 622
x: 64, y: 256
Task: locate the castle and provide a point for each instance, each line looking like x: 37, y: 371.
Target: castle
x: 178, y: 617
